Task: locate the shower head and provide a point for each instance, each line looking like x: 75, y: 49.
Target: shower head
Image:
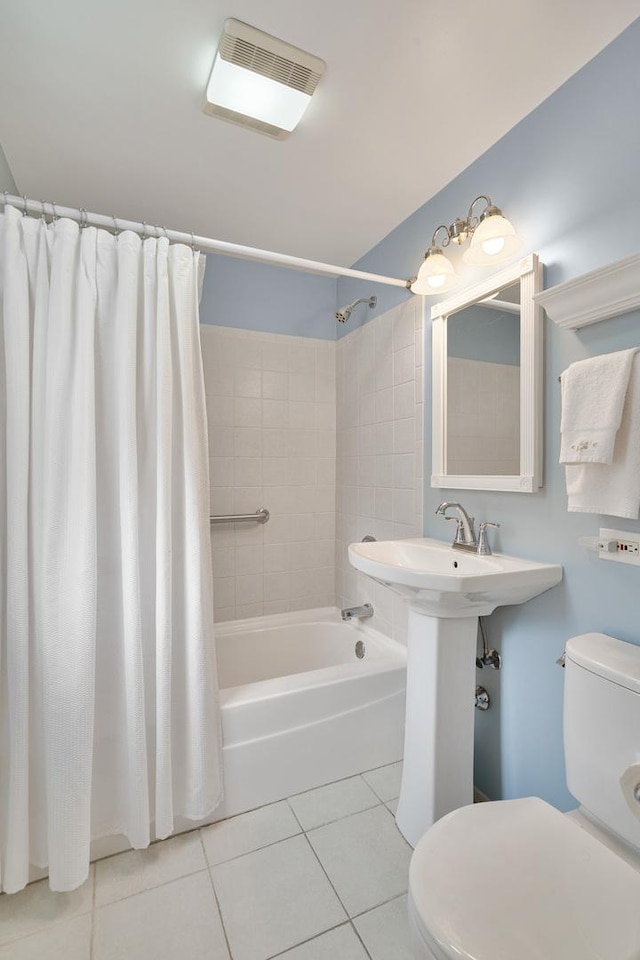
x: 344, y: 313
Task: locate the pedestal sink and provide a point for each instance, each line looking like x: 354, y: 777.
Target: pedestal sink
x: 447, y: 591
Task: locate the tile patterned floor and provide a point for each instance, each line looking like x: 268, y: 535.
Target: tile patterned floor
x: 320, y: 876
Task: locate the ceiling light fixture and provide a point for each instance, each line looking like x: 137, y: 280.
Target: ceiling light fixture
x: 492, y: 240
x: 260, y: 81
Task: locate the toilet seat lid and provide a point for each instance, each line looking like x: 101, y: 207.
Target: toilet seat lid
x: 517, y: 879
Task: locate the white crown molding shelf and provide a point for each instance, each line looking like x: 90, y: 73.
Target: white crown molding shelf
x: 607, y: 292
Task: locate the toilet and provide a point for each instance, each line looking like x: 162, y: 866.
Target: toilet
x: 517, y: 879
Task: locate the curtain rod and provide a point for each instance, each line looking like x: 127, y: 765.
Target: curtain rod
x: 42, y: 208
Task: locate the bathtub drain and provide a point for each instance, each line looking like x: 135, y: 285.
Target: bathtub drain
x: 359, y: 649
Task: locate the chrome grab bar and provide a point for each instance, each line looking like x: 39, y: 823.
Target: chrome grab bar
x: 261, y: 515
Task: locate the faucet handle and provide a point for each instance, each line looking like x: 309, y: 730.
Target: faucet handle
x: 483, y: 544
x: 459, y: 535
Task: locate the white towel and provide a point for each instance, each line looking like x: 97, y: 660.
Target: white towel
x: 612, y: 489
x: 593, y: 394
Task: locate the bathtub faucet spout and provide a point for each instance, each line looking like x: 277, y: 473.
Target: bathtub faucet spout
x: 357, y: 613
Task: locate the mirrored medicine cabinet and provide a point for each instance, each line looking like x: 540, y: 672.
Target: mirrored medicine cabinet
x: 487, y: 384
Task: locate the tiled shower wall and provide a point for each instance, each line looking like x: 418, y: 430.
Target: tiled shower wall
x: 379, y: 450
x: 271, y: 407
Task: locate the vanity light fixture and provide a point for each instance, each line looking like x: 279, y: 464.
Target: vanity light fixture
x: 492, y: 240
x: 260, y: 81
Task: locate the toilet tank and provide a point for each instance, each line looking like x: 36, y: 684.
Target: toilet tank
x: 602, y: 730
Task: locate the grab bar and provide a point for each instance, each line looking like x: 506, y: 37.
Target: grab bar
x: 261, y: 515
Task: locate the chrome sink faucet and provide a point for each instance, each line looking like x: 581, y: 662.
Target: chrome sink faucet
x: 465, y: 538
x: 465, y: 530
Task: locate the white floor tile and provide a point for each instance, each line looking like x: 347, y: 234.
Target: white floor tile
x: 36, y: 907
x: 273, y: 899
x: 177, y: 920
x: 69, y: 940
x: 325, y: 804
x: 365, y: 857
x: 385, y: 931
x: 249, y: 831
x: 339, y: 944
x: 385, y: 781
x: 392, y: 805
x: 137, y: 870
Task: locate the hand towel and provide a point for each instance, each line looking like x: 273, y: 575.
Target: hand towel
x: 612, y: 489
x: 593, y: 395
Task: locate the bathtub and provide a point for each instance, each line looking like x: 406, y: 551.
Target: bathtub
x: 300, y: 708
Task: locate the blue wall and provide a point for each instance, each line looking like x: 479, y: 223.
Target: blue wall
x: 259, y: 296
x: 568, y: 176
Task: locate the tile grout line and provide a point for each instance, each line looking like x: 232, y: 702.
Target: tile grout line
x: 283, y: 953
x: 155, y: 886
x: 397, y: 896
x: 247, y: 853
x: 215, y: 897
x: 349, y: 920
x: 332, y: 886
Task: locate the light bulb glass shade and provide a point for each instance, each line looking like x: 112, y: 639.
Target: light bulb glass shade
x: 435, y: 276
x: 248, y: 93
x: 493, y: 241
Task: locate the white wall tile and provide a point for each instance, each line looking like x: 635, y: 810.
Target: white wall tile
x: 404, y: 365
x: 404, y: 400
x: 246, y: 382
x: 247, y: 442
x: 275, y: 385
x: 275, y: 413
x: 247, y: 412
x: 276, y: 443
x: 247, y: 472
x: 302, y: 386
x: 272, y: 431
x: 382, y: 498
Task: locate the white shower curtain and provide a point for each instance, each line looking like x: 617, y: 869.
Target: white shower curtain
x: 109, y: 721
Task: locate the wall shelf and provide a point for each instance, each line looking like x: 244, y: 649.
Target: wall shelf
x: 606, y: 292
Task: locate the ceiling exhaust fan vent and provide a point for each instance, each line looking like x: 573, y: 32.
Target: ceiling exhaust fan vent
x: 270, y: 64
x: 273, y: 105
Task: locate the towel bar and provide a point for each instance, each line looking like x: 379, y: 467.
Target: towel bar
x: 261, y: 515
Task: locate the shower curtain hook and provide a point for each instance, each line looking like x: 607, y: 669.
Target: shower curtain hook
x: 43, y: 215
x: 165, y: 233
x: 193, y: 243
x: 6, y: 201
x: 116, y: 230
x: 144, y: 230
x: 24, y: 204
x: 55, y: 212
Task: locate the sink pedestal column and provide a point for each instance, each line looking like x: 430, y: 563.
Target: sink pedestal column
x: 438, y: 747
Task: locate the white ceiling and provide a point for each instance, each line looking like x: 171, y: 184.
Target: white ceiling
x: 100, y: 108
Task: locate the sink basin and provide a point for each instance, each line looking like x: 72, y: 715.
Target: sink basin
x: 444, y: 582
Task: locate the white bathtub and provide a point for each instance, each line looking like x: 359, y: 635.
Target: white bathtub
x: 300, y: 709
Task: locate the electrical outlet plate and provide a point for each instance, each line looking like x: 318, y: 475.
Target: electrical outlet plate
x: 626, y: 549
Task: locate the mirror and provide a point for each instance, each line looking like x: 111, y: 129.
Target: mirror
x: 487, y: 384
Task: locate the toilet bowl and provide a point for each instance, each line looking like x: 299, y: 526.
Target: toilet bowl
x: 517, y: 879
